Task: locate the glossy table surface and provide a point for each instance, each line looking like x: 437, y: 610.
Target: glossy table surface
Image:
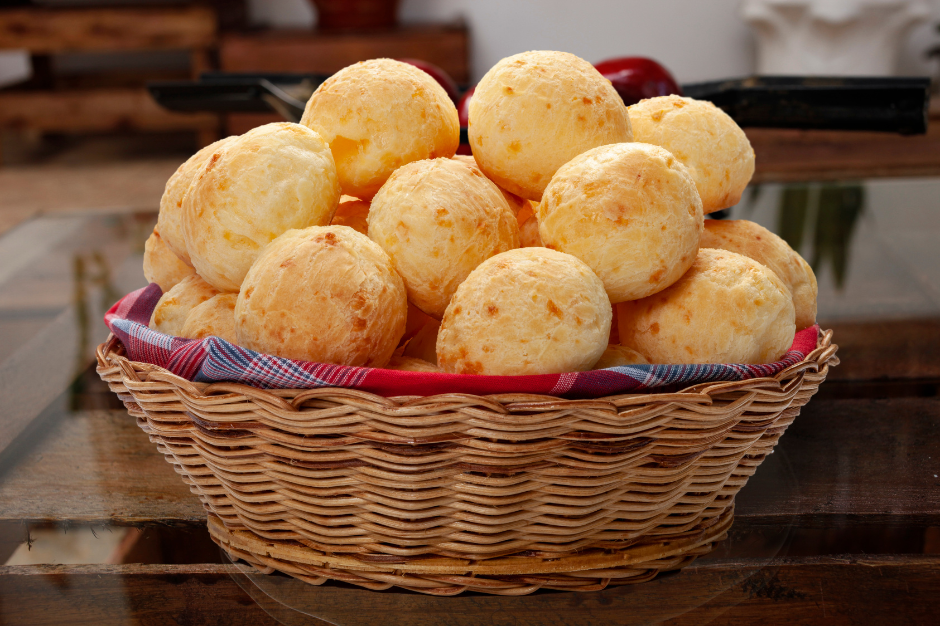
x: 841, y: 525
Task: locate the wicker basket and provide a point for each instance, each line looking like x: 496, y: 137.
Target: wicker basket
x: 500, y: 494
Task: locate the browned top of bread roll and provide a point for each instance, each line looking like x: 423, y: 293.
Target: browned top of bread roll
x: 756, y: 242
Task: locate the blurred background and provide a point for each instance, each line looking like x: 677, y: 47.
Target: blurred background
x: 74, y: 70
x: 85, y: 153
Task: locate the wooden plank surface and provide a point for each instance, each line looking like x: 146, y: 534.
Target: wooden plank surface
x: 887, y: 349
x: 848, y: 590
x: 53, y: 30
x: 785, y: 155
x: 860, y: 457
x: 96, y: 467
x: 30, y: 382
x: 95, y: 110
x: 321, y: 52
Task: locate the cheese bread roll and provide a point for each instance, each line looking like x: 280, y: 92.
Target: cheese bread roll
x: 174, y: 306
x: 326, y: 294
x: 756, y: 242
x: 438, y: 220
x: 706, y: 140
x: 535, y: 111
x: 617, y: 356
x: 726, y: 309
x: 379, y: 115
x: 161, y: 265
x: 516, y: 204
x: 352, y: 212
x: 271, y: 179
x: 170, y: 220
x: 213, y: 318
x: 628, y: 210
x: 526, y: 311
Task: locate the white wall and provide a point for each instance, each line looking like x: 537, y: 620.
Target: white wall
x: 695, y: 39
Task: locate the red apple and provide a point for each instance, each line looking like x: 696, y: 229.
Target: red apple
x: 638, y: 78
x: 442, y: 77
x: 463, y: 114
x: 463, y: 107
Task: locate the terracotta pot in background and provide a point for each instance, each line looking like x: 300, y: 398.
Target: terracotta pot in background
x: 356, y: 14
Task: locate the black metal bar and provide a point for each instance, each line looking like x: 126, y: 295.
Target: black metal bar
x: 886, y: 104
x: 897, y: 105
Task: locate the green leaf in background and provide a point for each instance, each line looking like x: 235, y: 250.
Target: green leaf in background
x: 753, y: 195
x: 792, y: 213
x: 840, y: 206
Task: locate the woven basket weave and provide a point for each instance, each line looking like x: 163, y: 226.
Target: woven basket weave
x: 501, y: 494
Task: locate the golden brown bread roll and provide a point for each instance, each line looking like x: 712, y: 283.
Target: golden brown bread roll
x: 527, y: 211
x: 379, y: 115
x: 525, y: 311
x: 533, y: 112
x: 213, y: 318
x: 161, y: 265
x: 411, y: 364
x: 529, y: 234
x: 326, y: 294
x: 628, y: 210
x: 756, y: 242
x: 516, y: 204
x: 438, y: 220
x: 706, y: 140
x: 170, y: 221
x: 618, y: 356
x: 352, y: 212
x: 271, y: 179
x: 415, y: 321
x: 424, y: 344
x: 726, y: 309
x: 174, y: 306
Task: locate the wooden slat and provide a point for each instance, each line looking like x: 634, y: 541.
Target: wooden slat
x: 129, y: 186
x: 30, y: 381
x: 318, y: 52
x: 241, y: 123
x: 797, y: 155
x: 862, y: 458
x: 125, y: 594
x: 887, y: 349
x: 48, y: 31
x: 97, y: 467
x: 95, y: 110
x: 850, y: 590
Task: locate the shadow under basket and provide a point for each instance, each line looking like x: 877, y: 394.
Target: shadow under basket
x: 501, y: 494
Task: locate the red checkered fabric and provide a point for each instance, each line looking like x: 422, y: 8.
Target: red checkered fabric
x: 215, y: 360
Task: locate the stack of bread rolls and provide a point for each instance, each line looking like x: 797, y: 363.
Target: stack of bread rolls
x: 572, y: 239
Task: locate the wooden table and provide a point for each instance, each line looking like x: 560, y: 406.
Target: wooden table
x: 840, y: 526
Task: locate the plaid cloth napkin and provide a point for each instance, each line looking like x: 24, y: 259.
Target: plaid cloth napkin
x: 216, y: 360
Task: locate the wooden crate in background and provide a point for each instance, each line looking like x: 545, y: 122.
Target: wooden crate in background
x: 60, y: 107
x: 325, y: 53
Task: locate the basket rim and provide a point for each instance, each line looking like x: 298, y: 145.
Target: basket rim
x: 111, y: 353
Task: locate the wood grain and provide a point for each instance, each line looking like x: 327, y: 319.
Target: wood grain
x: 95, y: 110
x: 49, y: 31
x: 785, y: 155
x: 887, y: 349
x: 859, y: 458
x: 97, y: 467
x: 30, y: 382
x: 321, y: 52
x: 848, y: 590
